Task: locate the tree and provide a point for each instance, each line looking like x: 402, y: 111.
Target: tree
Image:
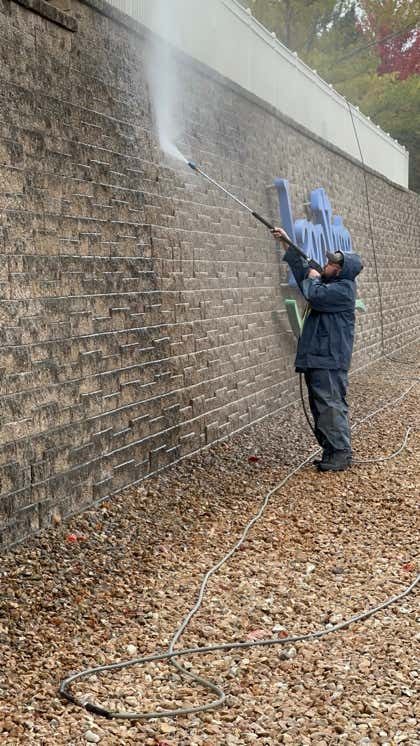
x: 378, y: 68
x: 395, y: 25
x: 297, y: 23
x: 368, y: 49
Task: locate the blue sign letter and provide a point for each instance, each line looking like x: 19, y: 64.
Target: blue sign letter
x: 319, y: 236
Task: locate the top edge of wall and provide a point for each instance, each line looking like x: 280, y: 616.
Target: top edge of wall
x: 228, y: 39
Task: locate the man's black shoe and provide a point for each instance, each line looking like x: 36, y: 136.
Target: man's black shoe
x: 328, y: 466
x: 335, y: 462
x: 325, y: 456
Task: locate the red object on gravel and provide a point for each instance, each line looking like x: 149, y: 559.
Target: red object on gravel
x: 71, y: 538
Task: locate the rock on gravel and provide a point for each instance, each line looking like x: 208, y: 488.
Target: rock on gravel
x: 92, y: 737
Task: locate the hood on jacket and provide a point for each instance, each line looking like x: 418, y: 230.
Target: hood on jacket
x: 352, y: 266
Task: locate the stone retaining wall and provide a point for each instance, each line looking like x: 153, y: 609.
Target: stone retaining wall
x: 141, y: 313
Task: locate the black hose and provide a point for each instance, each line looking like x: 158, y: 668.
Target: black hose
x: 375, y: 261
x: 302, y: 398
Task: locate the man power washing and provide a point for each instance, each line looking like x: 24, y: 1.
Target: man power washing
x: 326, y: 343
x: 325, y: 347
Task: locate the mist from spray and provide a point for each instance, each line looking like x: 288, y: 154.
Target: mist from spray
x: 162, y: 73
x: 170, y: 148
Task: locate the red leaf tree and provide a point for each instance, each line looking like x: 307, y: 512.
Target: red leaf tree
x: 393, y: 25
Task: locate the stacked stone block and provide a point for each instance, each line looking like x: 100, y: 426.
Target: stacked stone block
x: 141, y: 313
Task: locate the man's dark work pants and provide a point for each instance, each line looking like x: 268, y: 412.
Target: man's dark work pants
x: 327, y: 399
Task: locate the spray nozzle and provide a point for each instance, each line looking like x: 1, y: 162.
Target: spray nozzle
x: 192, y: 165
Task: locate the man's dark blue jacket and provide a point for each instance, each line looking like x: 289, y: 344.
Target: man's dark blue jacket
x: 328, y: 332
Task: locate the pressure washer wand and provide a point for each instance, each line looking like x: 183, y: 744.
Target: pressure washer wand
x: 229, y: 194
x: 256, y: 215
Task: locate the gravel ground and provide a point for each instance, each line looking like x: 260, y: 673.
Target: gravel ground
x: 116, y: 582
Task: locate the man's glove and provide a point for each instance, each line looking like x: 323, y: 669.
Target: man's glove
x: 312, y: 264
x: 281, y: 235
x: 296, y: 251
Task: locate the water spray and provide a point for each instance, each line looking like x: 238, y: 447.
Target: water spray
x: 312, y: 263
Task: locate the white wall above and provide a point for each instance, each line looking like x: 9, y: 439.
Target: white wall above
x: 224, y: 36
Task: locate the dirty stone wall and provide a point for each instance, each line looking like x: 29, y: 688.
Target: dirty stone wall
x: 141, y: 313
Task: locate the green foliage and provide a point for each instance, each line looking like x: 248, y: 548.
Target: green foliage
x: 394, y: 105
x: 297, y: 23
x: 340, y: 40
